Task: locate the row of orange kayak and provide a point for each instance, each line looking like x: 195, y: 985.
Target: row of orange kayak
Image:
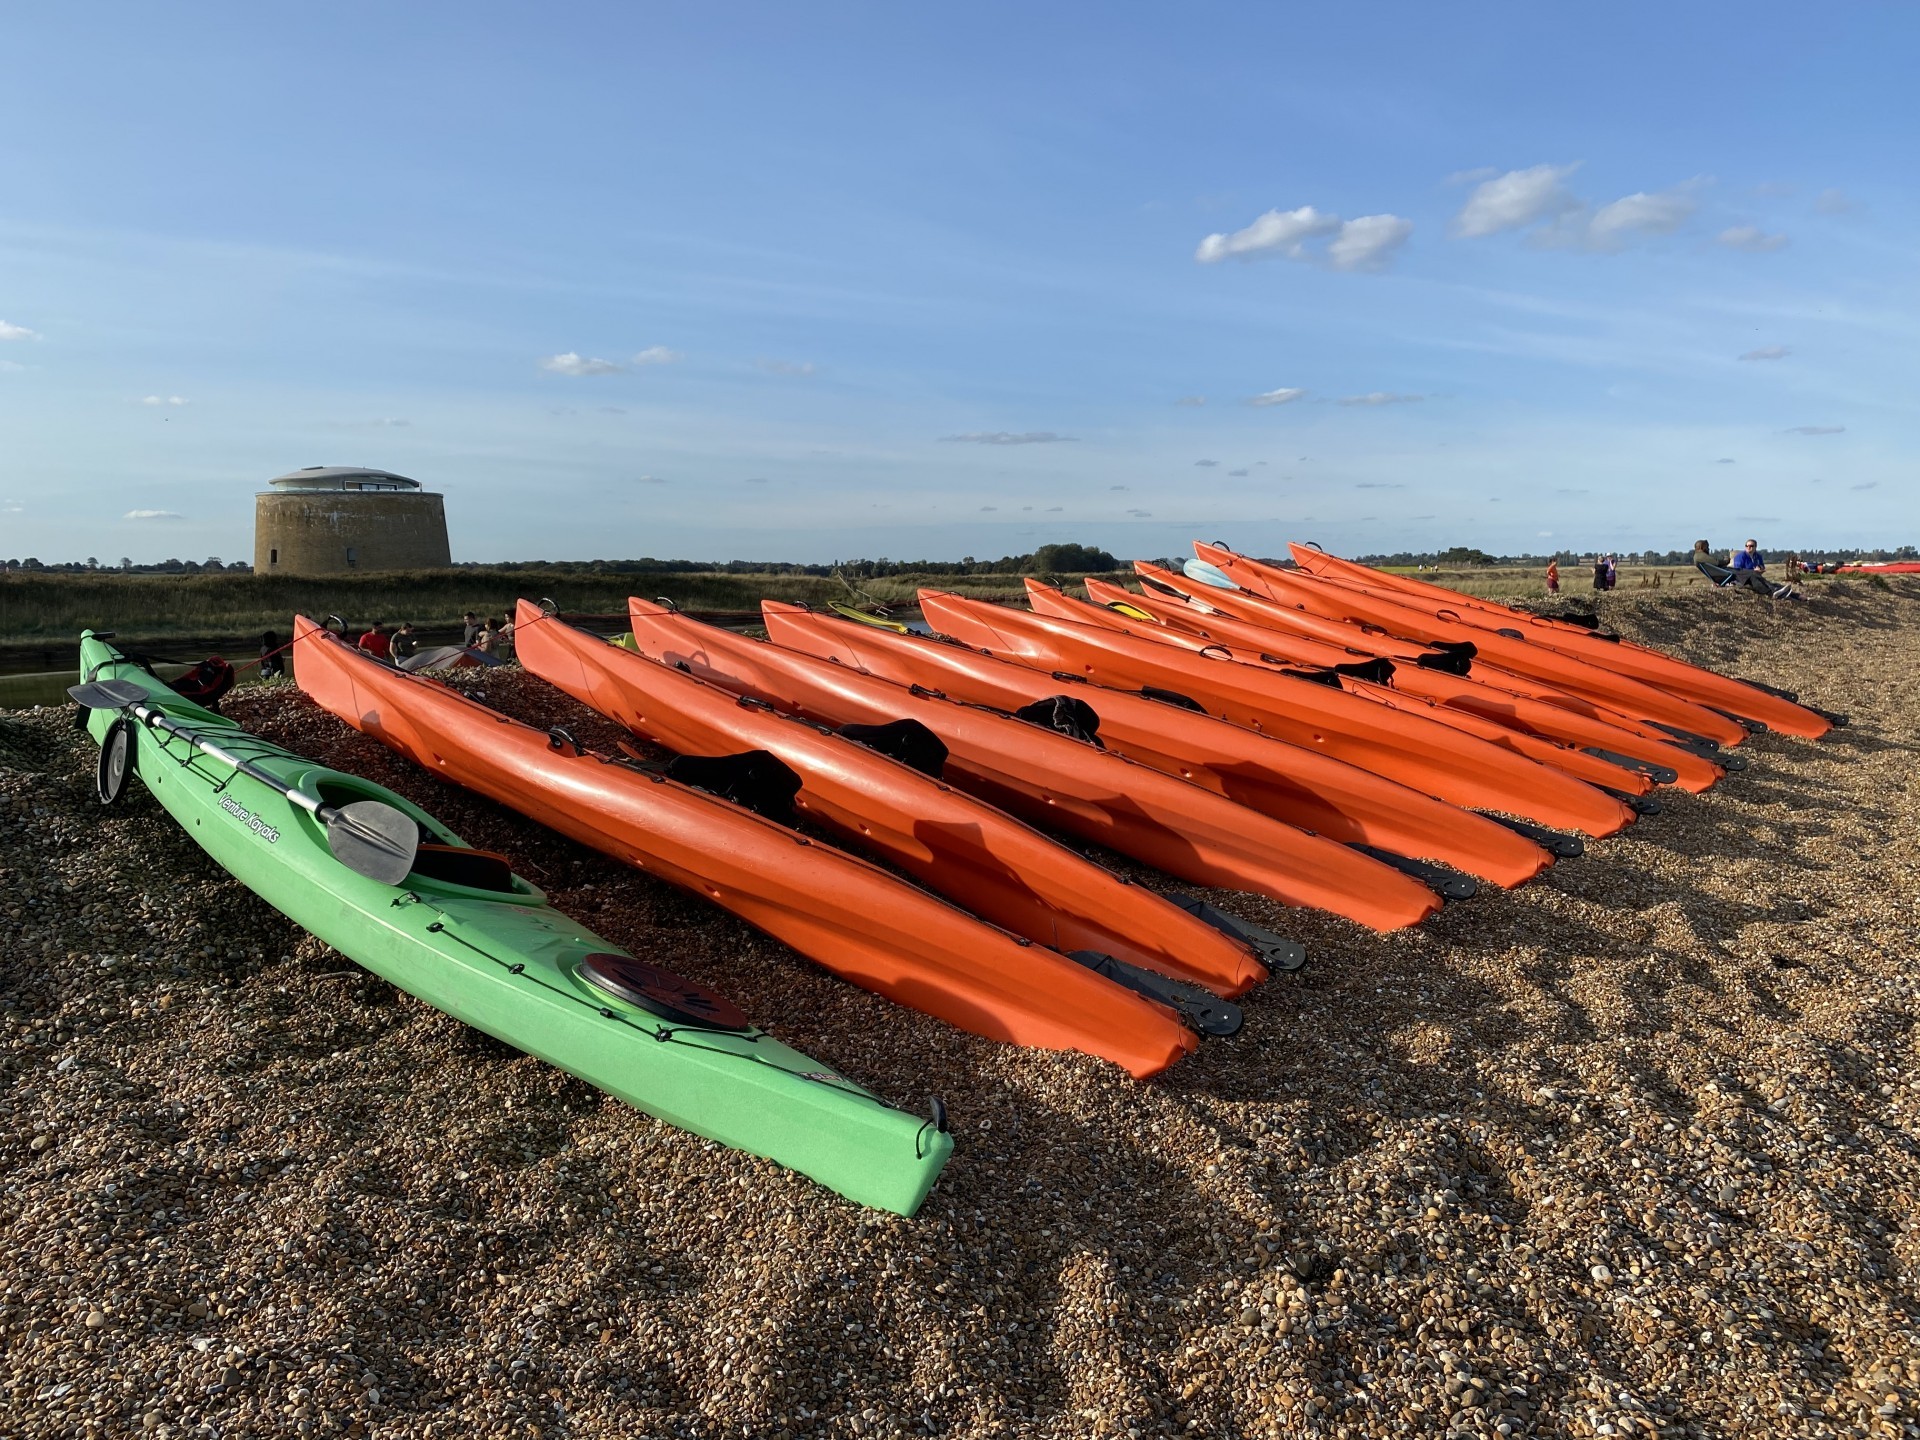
x: 912, y: 811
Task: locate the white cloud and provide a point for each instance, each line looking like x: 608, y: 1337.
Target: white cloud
x: 1724, y: 460
x: 656, y: 355
x: 17, y: 332
x: 1363, y: 244
x: 1752, y: 239
x: 1236, y: 474
x: 1285, y: 395
x: 1657, y: 214
x: 1516, y: 200
x: 1206, y: 464
x: 649, y: 480
x: 386, y: 423
x: 571, y: 362
x: 7, y: 366
x: 1006, y: 437
x: 1284, y: 230
x: 152, y: 515
x: 1768, y: 352
x: 1191, y: 400
x: 1833, y: 201
x: 1368, y: 243
x: 787, y: 367
x: 1141, y: 514
x: 1817, y: 430
x: 1381, y: 397
x: 1538, y: 197
x: 164, y: 400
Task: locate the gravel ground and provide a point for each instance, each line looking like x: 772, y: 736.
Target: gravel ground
x: 1629, y: 1152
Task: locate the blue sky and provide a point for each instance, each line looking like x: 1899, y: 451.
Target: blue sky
x: 809, y: 282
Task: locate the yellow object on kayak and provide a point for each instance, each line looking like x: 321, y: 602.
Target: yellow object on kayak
x: 847, y: 612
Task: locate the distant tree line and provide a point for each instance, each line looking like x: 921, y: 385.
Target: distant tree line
x: 1462, y: 556
x: 1048, y: 559
x: 212, y: 565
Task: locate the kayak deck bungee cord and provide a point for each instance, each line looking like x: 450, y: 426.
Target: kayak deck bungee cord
x: 851, y: 917
x: 459, y: 930
x: 1744, y: 698
x: 1298, y: 785
x: 1659, y: 760
x: 978, y: 856
x: 1055, y: 780
x: 1443, y: 761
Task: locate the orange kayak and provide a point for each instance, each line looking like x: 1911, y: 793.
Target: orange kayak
x: 979, y: 857
x: 1402, y: 746
x: 1300, y: 786
x: 1661, y: 761
x: 1582, y: 766
x: 1456, y: 659
x: 1510, y: 652
x: 849, y: 916
x: 1054, y: 780
x: 1693, y: 682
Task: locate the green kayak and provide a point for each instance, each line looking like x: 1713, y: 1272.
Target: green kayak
x: 464, y: 933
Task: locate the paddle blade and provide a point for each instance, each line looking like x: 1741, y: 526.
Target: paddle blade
x: 106, y: 695
x: 373, y: 839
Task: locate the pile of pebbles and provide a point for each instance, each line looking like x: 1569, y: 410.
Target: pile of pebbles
x: 1629, y: 1152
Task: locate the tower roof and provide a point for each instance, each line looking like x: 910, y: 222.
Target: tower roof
x: 342, y: 477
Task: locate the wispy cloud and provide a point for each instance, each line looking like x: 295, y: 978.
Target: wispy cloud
x: 656, y: 355
x: 1191, y: 400
x: 1008, y: 437
x: 1206, y: 464
x: 1141, y: 514
x: 1752, y: 239
x: 1364, y: 243
x: 1516, y: 200
x: 571, y: 362
x: 17, y: 332
x: 386, y: 423
x: 1767, y: 352
x: 985, y: 508
x: 1833, y: 201
x: 1867, y: 485
x: 1379, y: 485
x: 1724, y: 460
x: 800, y: 368
x: 1056, y: 509
x: 1815, y: 430
x: 1285, y: 395
x: 152, y: 515
x: 1236, y: 474
x: 163, y: 400
x: 1381, y: 397
x: 1473, y: 176
x: 650, y: 480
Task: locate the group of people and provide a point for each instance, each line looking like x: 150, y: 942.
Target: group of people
x: 488, y: 636
x: 1606, y: 574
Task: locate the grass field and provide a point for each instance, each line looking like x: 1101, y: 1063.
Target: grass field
x: 56, y: 607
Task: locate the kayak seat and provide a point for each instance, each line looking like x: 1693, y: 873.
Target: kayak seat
x: 461, y: 865
x: 1068, y: 714
x: 906, y: 740
x: 757, y: 779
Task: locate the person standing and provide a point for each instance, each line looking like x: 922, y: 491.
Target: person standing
x: 376, y: 643
x: 272, y: 667
x: 406, y: 644
x: 1599, y: 572
x: 1553, y: 577
x: 1613, y: 573
x: 473, y: 624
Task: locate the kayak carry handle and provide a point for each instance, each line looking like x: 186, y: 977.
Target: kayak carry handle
x: 561, y: 739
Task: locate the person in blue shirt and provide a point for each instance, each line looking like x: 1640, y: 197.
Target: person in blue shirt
x: 1750, y: 558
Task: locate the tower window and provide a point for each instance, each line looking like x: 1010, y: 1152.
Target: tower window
x: 273, y: 556
x: 353, y: 556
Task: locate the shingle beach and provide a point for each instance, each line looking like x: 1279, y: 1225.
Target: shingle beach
x: 1632, y: 1151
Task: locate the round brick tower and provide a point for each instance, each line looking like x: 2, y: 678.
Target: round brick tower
x: 336, y: 519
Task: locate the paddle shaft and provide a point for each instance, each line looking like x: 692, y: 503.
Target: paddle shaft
x: 158, y: 720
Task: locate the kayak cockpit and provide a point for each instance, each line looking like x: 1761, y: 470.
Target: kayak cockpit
x: 442, y: 864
